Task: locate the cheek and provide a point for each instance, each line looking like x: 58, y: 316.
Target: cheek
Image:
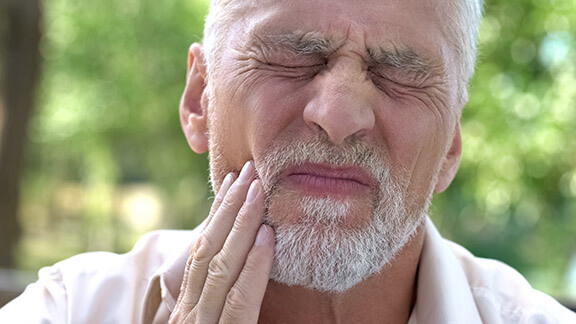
x: 416, y: 140
x: 248, y: 120
x: 228, y: 126
x: 275, y: 115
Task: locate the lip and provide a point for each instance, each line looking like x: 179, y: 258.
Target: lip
x: 329, y: 179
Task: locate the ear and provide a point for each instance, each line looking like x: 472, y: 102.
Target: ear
x: 194, y: 101
x: 451, y: 162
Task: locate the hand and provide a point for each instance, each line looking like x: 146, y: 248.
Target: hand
x: 229, y: 265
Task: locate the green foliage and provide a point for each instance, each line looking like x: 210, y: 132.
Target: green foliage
x: 514, y: 196
x: 107, y: 150
x: 106, y: 141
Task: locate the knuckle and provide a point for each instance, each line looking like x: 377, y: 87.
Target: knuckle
x: 237, y: 302
x: 217, y: 204
x: 234, y: 196
x: 204, y: 250
x: 245, y: 215
x: 219, y: 269
x: 218, y: 199
x: 253, y: 261
x: 230, y: 201
x: 179, y: 316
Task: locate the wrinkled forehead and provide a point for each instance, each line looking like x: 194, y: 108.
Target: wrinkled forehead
x: 412, y: 24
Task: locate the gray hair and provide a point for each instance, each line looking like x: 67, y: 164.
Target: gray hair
x: 463, y: 20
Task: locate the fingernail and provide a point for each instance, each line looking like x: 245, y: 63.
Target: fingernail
x: 247, y: 171
x: 263, y: 233
x: 253, y: 191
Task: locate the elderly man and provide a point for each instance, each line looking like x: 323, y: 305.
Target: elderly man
x: 330, y: 123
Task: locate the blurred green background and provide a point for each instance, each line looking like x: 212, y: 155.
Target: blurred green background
x: 106, y: 160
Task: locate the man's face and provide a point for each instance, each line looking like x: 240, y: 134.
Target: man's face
x: 348, y: 110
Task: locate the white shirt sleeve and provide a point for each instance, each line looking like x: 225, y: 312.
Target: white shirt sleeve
x: 97, y: 287
x: 44, y: 301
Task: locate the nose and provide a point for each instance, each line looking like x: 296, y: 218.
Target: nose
x: 341, y: 105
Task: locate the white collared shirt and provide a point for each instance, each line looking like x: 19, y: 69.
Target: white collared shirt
x: 142, y: 286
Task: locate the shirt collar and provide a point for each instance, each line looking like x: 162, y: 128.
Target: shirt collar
x: 164, y: 286
x: 444, y: 294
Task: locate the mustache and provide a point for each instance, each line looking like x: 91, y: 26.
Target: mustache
x: 320, y: 149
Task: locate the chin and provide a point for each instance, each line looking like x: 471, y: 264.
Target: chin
x: 339, y: 214
x: 331, y: 245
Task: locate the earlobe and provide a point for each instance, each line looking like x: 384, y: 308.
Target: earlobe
x: 451, y: 162
x: 193, y: 103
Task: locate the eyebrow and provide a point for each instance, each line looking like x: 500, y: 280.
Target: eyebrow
x: 315, y: 44
x: 299, y: 43
x: 403, y: 58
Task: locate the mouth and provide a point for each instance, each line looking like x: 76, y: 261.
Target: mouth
x: 329, y: 180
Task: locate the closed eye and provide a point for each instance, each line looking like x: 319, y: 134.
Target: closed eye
x: 398, y: 78
x: 293, y: 71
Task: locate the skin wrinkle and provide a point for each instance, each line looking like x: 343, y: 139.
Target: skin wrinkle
x: 462, y: 18
x: 256, y: 63
x: 259, y: 82
x: 401, y: 88
x: 405, y: 59
x: 437, y: 111
x: 272, y: 49
x: 418, y: 94
x: 264, y: 101
x: 409, y: 180
x: 295, y: 258
x: 296, y: 73
x: 437, y: 97
x: 438, y: 76
x: 307, y: 43
x: 249, y: 71
x: 438, y: 116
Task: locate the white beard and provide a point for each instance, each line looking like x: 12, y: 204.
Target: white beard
x: 320, y: 252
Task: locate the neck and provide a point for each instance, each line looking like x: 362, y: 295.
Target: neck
x: 386, y: 297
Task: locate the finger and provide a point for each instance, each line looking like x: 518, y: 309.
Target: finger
x: 245, y: 297
x: 212, y: 238
x: 225, y: 267
x: 226, y: 184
